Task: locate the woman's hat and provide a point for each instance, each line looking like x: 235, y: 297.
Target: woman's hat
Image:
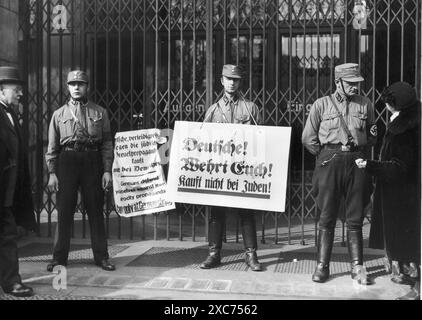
x: 401, y: 95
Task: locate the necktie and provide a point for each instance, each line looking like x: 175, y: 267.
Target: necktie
x: 80, y: 114
x: 6, y: 108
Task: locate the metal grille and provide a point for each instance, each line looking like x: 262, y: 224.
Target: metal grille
x: 305, y: 263
x: 42, y: 252
x: 188, y: 258
x: 163, y: 59
x: 295, y: 262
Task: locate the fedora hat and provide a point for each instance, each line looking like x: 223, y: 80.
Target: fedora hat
x: 10, y: 75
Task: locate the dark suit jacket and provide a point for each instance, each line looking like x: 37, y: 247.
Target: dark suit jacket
x: 15, y: 182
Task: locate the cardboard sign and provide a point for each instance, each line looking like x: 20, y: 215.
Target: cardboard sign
x: 230, y: 165
x: 139, y: 185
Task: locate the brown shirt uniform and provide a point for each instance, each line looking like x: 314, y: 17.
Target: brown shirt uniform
x: 237, y: 110
x: 324, y: 126
x: 64, y: 129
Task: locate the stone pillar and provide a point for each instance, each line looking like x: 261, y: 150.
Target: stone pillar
x: 9, y: 27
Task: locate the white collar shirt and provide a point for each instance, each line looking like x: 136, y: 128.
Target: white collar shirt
x: 394, y: 115
x: 8, y: 113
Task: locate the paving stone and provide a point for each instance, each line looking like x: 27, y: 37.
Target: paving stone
x: 159, y: 283
x: 198, y: 284
x: 119, y: 281
x: 98, y: 280
x: 284, y: 289
x: 139, y: 282
x: 78, y: 253
x: 241, y: 286
x: 40, y: 279
x: 262, y: 287
x: 304, y: 289
x: 179, y: 283
x: 326, y: 291
x: 221, y: 285
x: 79, y: 280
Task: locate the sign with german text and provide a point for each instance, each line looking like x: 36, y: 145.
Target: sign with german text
x: 139, y: 184
x: 230, y: 165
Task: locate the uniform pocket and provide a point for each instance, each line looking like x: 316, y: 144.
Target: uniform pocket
x: 67, y: 124
x: 330, y: 120
x: 95, y: 125
x: 358, y: 120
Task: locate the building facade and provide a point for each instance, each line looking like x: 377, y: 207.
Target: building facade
x: 162, y: 59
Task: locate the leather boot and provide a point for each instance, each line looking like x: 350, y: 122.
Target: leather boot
x: 411, y: 272
x: 251, y: 260
x: 325, y: 245
x: 53, y: 263
x: 248, y: 224
x: 215, y: 238
x: 414, y: 293
x: 213, y: 260
x: 355, y: 245
x: 404, y: 273
x: 387, y: 264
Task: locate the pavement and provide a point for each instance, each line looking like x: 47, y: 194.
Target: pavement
x: 156, y: 270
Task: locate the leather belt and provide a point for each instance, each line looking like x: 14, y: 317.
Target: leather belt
x: 342, y: 147
x: 80, y: 147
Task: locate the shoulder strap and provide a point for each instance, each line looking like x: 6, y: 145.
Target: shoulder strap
x: 78, y: 122
x: 247, y: 109
x: 342, y: 121
x: 222, y: 112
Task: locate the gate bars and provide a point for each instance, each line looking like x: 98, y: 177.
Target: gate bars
x: 160, y: 61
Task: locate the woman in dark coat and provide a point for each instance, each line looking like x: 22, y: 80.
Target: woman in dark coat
x: 396, y: 219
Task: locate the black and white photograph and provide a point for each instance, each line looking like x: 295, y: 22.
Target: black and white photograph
x: 212, y: 156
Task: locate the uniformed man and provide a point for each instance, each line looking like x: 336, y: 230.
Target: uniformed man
x: 341, y: 128
x: 232, y: 108
x: 80, y: 154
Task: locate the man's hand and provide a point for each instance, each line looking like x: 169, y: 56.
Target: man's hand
x: 106, y: 181
x: 53, y: 183
x: 361, y: 164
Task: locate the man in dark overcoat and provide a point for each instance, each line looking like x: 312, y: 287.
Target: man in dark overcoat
x: 16, y: 206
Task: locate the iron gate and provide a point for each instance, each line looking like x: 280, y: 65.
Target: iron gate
x: 162, y: 59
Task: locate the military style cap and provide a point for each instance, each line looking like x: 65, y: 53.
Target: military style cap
x: 77, y: 76
x: 348, y: 72
x: 232, y: 71
x: 10, y: 75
